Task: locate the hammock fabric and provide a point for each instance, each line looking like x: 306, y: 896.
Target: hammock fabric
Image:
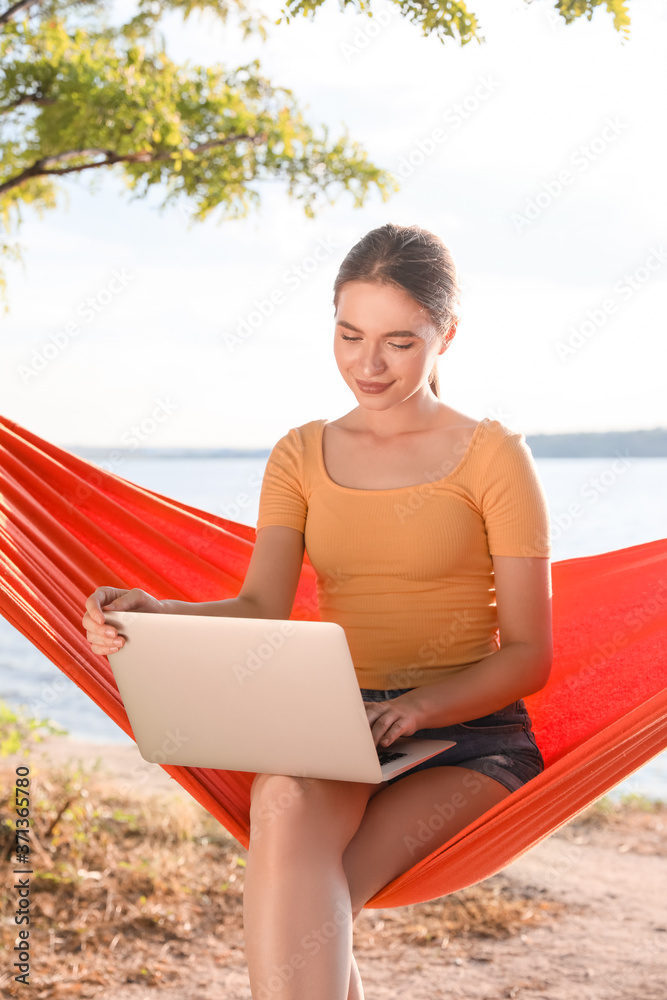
x: 67, y: 527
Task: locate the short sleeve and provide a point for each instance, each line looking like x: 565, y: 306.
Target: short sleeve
x: 514, y: 503
x: 282, y: 499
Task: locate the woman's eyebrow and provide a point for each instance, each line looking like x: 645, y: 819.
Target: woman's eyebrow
x: 392, y: 333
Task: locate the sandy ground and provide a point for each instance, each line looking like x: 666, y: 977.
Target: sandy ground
x: 609, y: 943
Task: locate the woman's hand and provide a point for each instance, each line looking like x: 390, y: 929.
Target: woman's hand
x: 104, y: 639
x: 396, y: 717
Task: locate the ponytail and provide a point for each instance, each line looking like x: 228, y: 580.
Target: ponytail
x: 434, y: 381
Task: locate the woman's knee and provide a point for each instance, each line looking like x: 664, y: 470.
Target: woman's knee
x: 317, y: 804
x: 271, y: 795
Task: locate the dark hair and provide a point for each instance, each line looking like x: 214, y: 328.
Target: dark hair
x: 415, y: 260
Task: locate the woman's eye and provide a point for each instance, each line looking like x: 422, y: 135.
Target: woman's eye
x: 401, y: 347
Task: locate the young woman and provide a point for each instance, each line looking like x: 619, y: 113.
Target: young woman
x: 429, y: 534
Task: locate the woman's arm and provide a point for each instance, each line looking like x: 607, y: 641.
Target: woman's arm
x: 270, y: 582
x: 520, y: 667
x: 522, y: 664
x: 268, y: 591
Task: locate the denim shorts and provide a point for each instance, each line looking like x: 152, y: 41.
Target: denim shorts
x: 501, y: 745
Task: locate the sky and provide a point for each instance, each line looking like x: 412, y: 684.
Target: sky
x: 539, y: 157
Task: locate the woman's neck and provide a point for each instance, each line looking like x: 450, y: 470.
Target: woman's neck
x: 413, y: 414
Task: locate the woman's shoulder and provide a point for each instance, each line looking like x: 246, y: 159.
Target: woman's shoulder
x: 495, y: 432
x: 496, y: 452
x: 502, y: 456
x: 300, y: 438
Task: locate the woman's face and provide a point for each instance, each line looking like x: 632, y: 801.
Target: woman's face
x: 386, y: 339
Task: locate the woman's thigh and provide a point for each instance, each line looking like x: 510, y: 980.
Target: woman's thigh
x: 407, y: 821
x: 292, y: 811
x: 410, y: 815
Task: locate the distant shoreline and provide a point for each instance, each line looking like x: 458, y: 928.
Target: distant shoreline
x: 586, y: 444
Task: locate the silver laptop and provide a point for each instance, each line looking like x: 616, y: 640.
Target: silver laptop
x: 251, y: 694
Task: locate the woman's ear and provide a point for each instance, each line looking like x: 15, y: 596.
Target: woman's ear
x: 447, y: 339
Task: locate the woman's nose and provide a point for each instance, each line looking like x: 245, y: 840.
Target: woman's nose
x: 372, y: 362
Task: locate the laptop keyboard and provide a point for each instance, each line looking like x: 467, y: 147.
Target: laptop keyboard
x: 384, y: 756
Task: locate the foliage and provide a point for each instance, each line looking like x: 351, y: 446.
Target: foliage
x: 570, y: 10
x: 78, y: 97
x: 18, y: 732
x: 80, y: 94
x: 453, y: 19
x: 441, y: 18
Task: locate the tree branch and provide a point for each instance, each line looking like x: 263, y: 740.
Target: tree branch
x: 17, y: 7
x: 41, y: 167
x: 27, y: 99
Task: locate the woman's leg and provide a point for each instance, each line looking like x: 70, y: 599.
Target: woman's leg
x: 297, y: 912
x: 356, y: 990
x: 409, y: 819
x: 439, y: 802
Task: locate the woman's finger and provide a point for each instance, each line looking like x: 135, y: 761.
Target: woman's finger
x: 104, y: 639
x: 382, y: 719
x: 92, y: 625
x: 392, y: 719
x: 103, y: 648
x: 100, y: 634
x: 394, y: 730
x: 97, y: 600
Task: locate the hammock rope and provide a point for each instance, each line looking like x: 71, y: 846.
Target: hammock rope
x: 68, y: 526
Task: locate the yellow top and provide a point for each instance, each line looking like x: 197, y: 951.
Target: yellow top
x: 407, y: 572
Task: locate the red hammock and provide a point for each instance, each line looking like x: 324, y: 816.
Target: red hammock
x: 68, y: 527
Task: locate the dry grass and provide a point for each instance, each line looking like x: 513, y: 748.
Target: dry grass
x: 635, y: 824
x: 491, y: 909
x: 127, y: 890
x: 121, y: 888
